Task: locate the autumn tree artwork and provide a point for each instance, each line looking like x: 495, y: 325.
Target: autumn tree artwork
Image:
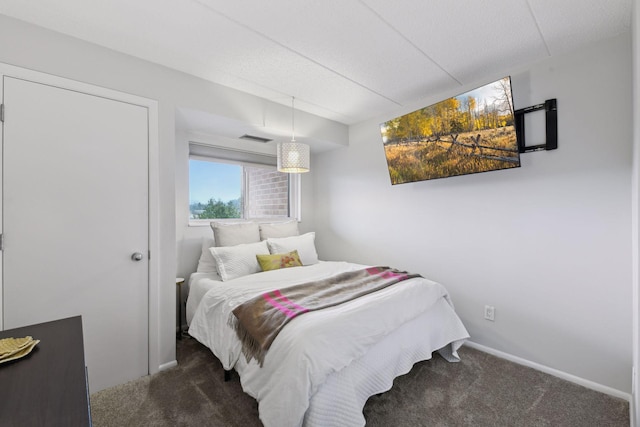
x: 470, y: 133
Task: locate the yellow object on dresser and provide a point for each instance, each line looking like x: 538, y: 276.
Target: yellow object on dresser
x: 15, y: 348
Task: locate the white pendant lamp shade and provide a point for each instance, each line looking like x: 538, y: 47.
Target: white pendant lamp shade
x: 293, y: 157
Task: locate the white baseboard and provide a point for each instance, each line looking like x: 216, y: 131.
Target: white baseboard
x: 168, y: 365
x: 556, y: 373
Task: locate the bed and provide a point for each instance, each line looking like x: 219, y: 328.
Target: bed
x: 324, y: 365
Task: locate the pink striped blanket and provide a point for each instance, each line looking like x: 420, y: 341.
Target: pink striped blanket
x: 258, y: 321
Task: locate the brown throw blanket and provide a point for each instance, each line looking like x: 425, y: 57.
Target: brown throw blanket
x: 258, y: 321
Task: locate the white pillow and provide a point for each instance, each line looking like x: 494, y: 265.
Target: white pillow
x: 231, y: 234
x: 240, y: 260
x: 279, y: 229
x: 304, y: 244
x: 206, y: 263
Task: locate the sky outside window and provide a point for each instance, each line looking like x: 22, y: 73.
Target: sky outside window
x: 209, y: 180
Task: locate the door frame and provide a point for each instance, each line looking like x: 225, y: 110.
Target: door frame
x: 153, y: 189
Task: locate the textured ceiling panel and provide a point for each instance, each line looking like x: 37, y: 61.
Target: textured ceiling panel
x: 346, y: 37
x: 346, y: 60
x: 273, y: 66
x: 569, y: 24
x: 162, y: 31
x: 468, y: 38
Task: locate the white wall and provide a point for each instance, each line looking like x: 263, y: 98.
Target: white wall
x: 547, y: 244
x: 31, y: 47
x: 635, y: 202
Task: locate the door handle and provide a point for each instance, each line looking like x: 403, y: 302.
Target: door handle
x: 137, y: 256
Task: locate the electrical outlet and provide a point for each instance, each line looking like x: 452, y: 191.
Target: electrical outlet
x: 489, y: 312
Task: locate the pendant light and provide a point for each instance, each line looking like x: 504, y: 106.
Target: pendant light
x: 293, y: 157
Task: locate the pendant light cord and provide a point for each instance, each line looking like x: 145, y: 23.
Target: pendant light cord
x: 293, y: 132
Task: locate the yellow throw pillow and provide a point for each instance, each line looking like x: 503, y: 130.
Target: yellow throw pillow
x: 277, y: 261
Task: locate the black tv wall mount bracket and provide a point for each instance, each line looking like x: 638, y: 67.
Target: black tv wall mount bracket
x: 551, y: 119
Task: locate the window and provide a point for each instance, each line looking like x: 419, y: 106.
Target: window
x: 223, y: 188
x: 215, y: 190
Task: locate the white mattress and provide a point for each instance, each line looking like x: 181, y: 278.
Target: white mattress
x: 199, y: 284
x: 308, y: 382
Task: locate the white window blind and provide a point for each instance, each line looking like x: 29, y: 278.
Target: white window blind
x: 230, y: 154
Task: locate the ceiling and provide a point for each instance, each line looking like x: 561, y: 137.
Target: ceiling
x: 345, y: 60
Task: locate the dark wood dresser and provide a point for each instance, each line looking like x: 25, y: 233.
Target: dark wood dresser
x: 48, y: 387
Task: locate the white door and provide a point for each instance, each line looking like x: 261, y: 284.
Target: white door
x: 75, y: 210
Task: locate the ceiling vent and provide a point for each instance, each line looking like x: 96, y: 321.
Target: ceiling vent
x: 255, y: 138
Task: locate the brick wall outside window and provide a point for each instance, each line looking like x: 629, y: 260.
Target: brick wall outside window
x: 268, y: 192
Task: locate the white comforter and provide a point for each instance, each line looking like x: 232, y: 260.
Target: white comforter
x: 312, y: 346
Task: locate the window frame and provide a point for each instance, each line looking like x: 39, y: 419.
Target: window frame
x: 294, y: 193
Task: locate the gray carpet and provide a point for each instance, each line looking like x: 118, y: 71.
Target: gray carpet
x: 482, y: 390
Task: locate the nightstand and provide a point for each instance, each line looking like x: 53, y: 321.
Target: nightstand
x: 179, y: 282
